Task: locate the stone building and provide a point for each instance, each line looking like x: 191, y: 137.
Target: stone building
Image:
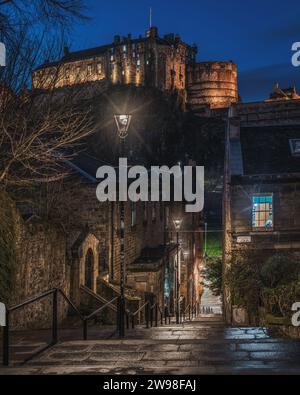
x: 283, y: 93
x: 149, y: 61
x: 150, y: 242
x: 212, y: 85
x: 78, y: 248
x: 166, y: 63
x: 261, y: 196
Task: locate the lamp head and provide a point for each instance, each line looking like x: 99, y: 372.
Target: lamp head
x: 177, y: 223
x: 123, y: 122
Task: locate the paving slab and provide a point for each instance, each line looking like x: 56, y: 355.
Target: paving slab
x: 203, y: 346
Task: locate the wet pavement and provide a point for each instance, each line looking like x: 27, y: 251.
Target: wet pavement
x: 203, y: 346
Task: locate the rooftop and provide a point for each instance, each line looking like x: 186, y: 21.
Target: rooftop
x: 167, y: 39
x: 269, y: 150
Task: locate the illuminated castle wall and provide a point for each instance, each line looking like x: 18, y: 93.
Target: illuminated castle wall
x: 212, y: 84
x: 166, y: 63
x: 148, y: 61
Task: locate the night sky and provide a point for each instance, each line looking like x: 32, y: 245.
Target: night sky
x: 256, y: 34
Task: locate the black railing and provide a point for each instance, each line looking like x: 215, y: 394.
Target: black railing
x: 54, y: 292
x: 96, y: 312
x: 151, y: 314
x: 189, y: 311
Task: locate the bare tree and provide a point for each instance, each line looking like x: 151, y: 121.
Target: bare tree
x: 37, y: 128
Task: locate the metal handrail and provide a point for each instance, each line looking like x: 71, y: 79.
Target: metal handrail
x: 167, y: 315
x: 139, y: 310
x: 188, y: 308
x: 54, y: 292
x: 32, y: 300
x: 101, y: 309
x: 71, y: 304
x: 99, y: 298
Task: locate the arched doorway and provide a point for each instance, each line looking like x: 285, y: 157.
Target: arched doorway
x: 89, y: 268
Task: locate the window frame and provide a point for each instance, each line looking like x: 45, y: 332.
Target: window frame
x: 271, y: 211
x: 293, y: 153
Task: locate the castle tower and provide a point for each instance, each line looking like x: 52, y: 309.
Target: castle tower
x: 212, y: 84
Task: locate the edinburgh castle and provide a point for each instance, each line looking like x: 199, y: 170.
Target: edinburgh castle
x: 166, y: 63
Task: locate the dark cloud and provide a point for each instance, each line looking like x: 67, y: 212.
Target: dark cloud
x: 284, y: 32
x: 257, y: 84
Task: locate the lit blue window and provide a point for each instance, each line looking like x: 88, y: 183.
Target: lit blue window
x: 262, y: 212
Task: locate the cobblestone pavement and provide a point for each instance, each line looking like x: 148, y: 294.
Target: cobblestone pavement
x: 204, y: 346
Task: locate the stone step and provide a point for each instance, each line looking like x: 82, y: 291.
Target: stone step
x: 204, y: 345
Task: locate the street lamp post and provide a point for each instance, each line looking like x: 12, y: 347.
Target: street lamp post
x: 177, y: 225
x: 122, y: 122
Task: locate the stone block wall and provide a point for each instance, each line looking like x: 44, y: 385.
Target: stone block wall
x: 42, y: 265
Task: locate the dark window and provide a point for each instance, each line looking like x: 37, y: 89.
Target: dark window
x: 89, y: 264
x: 133, y: 213
x: 295, y: 147
x: 145, y: 212
x: 154, y: 211
x: 161, y: 212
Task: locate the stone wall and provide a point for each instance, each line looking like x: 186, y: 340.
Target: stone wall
x: 42, y: 265
x: 146, y: 61
x: 38, y: 263
x: 212, y: 84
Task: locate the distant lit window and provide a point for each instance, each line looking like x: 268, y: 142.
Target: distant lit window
x: 89, y: 69
x: 124, y: 55
x: 124, y: 48
x: 133, y: 213
x: 99, y: 68
x: 112, y: 58
x: 262, y: 212
x: 295, y: 147
x: 133, y: 54
x: 138, y: 62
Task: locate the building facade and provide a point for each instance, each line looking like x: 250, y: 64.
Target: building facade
x: 146, y: 61
x: 166, y: 63
x: 261, y: 199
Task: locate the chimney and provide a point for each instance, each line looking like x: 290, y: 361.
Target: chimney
x: 152, y: 33
x: 66, y: 51
x: 169, y: 37
x: 117, y: 40
x: 177, y: 39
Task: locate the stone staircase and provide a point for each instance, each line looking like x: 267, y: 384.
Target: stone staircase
x: 202, y: 346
